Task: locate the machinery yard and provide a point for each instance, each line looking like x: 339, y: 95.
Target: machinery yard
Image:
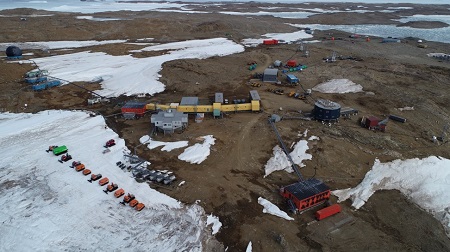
x: 367, y: 104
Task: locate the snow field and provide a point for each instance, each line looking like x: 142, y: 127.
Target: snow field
x: 126, y: 75
x: 47, y: 206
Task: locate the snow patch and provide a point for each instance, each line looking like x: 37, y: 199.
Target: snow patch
x: 249, y: 247
x: 198, y: 153
x: 45, y: 204
x: 425, y: 181
x: 312, y: 138
x: 126, y: 75
x: 270, y: 208
x: 339, y: 86
x: 216, y: 224
x: 279, y: 161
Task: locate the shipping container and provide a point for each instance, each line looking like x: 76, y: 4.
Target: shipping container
x: 397, y: 118
x: 60, y: 150
x: 270, y: 42
x: 328, y: 211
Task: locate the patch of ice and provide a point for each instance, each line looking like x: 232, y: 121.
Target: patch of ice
x: 425, y: 181
x: 198, y: 153
x: 216, y: 224
x: 279, y: 161
x: 270, y: 208
x: 339, y: 86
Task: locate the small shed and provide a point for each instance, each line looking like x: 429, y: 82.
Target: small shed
x: 218, y: 97
x: 189, y: 101
x: 291, y: 63
x: 132, y: 110
x: 292, y: 79
x: 270, y: 75
x: 169, y: 121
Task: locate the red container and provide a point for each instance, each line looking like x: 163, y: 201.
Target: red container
x: 270, y: 42
x: 292, y: 63
x: 328, y: 211
x: 371, y: 121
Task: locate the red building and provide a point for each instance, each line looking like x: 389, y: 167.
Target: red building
x: 133, y: 109
x: 306, y: 194
x: 270, y: 42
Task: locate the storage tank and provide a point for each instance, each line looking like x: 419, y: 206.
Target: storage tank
x: 13, y: 51
x: 325, y: 110
x: 277, y: 63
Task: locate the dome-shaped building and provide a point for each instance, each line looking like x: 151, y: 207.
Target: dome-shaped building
x: 13, y: 52
x: 325, y: 110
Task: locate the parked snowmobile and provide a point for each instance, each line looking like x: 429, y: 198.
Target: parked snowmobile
x: 95, y: 177
x: 127, y: 198
x: 110, y: 188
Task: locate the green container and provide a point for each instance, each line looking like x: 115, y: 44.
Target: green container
x: 304, y: 67
x: 60, y: 150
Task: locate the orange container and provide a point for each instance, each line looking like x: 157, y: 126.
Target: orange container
x: 119, y: 193
x: 139, y: 206
x: 328, y: 211
x: 103, y: 181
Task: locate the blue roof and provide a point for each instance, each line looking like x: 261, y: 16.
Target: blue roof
x: 134, y: 105
x: 291, y: 76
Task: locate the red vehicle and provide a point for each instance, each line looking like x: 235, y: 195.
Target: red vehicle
x: 110, y: 143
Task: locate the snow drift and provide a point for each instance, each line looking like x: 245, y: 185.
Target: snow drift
x: 425, y: 181
x: 338, y: 86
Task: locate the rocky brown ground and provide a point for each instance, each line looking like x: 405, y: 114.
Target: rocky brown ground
x: 229, y: 182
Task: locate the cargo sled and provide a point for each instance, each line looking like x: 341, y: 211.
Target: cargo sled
x: 103, y: 181
x: 119, y: 193
x: 139, y: 206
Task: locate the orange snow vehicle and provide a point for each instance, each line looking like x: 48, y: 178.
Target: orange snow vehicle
x: 127, y: 198
x: 79, y: 167
x: 103, y: 181
x: 119, y: 193
x: 95, y: 177
x: 110, y: 188
x: 86, y: 172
